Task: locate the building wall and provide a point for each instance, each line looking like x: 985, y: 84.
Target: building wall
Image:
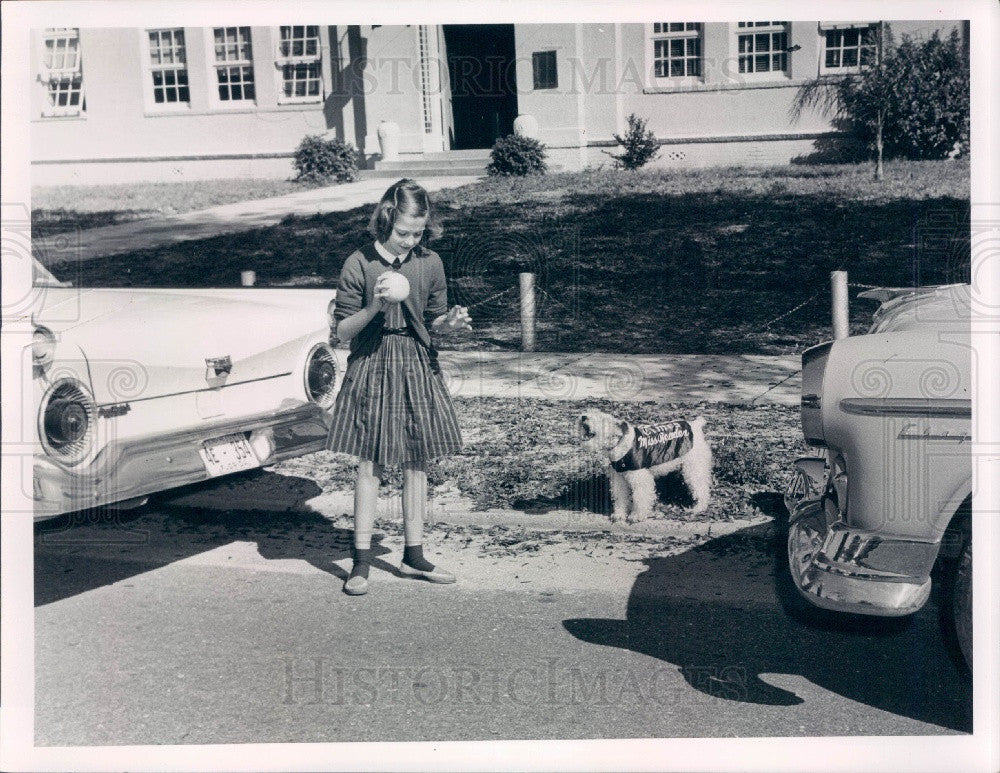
x: 559, y: 110
x: 122, y: 129
x: 719, y: 117
x: 373, y: 74
x: 393, y: 83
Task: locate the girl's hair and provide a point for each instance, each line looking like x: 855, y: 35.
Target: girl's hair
x: 404, y: 197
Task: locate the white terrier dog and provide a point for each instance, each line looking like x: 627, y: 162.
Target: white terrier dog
x: 638, y: 454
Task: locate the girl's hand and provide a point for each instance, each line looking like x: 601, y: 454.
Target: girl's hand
x: 456, y: 319
x: 379, y: 299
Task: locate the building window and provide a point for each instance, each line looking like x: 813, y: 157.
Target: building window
x: 234, y: 64
x: 762, y: 46
x: 543, y: 70
x: 62, y: 71
x: 299, y: 63
x: 850, y: 48
x: 168, y: 66
x: 677, y: 49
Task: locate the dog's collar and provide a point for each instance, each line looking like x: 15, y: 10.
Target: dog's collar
x: 623, y: 446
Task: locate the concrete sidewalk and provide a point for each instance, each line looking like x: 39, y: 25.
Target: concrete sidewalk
x: 228, y: 218
x: 670, y: 378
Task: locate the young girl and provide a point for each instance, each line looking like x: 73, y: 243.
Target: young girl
x: 393, y: 407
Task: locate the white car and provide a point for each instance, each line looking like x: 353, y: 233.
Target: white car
x: 141, y: 390
x: 892, y: 494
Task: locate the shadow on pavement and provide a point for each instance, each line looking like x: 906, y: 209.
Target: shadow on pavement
x: 741, y: 650
x: 87, y: 550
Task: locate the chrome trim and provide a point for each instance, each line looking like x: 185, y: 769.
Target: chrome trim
x: 219, y: 364
x: 935, y: 408
x: 960, y: 438
x: 808, y: 481
x: 154, y: 463
x: 810, y: 401
x: 853, y: 570
x: 227, y: 385
x: 42, y: 352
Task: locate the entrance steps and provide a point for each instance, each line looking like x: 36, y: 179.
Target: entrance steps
x: 438, y: 164
x: 452, y: 162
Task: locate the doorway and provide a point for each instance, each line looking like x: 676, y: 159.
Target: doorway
x: 483, y: 80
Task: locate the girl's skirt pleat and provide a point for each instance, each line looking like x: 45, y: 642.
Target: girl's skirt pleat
x: 392, y: 408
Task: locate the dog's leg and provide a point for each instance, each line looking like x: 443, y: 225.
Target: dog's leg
x: 643, y: 495
x: 621, y: 495
x: 697, y: 472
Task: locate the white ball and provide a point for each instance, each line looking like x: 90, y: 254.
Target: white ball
x: 397, y: 286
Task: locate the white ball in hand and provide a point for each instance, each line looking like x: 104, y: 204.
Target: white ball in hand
x: 397, y: 286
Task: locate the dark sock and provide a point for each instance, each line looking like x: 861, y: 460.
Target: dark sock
x: 362, y: 561
x: 413, y: 555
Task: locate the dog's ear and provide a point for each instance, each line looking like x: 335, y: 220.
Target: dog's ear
x: 623, y: 427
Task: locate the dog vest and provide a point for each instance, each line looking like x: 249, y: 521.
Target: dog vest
x: 655, y: 444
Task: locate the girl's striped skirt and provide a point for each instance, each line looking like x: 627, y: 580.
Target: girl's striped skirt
x: 392, y: 407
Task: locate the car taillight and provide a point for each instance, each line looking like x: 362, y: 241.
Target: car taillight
x: 321, y: 376
x: 813, y: 368
x: 66, y: 419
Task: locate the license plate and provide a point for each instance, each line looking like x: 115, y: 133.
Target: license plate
x: 230, y: 453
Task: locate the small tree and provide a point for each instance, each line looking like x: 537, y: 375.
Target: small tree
x: 640, y: 146
x: 911, y: 100
x: 864, y: 98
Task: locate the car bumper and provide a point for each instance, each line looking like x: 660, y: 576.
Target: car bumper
x: 137, y: 467
x: 853, y: 570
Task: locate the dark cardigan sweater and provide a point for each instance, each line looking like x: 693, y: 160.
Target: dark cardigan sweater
x: 428, y: 297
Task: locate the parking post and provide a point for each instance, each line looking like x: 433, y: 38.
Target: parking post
x: 840, y: 307
x: 527, y: 312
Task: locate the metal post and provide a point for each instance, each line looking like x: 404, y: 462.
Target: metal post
x: 840, y: 307
x: 527, y: 312
x: 248, y: 278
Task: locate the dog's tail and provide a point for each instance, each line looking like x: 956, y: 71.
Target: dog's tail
x: 697, y: 424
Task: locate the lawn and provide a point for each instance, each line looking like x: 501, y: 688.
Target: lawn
x: 503, y: 465
x: 707, y: 261
x: 60, y: 208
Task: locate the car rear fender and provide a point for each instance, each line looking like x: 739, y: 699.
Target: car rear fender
x: 897, y: 407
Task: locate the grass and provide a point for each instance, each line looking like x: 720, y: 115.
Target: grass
x: 504, y: 464
x: 707, y: 261
x: 62, y: 208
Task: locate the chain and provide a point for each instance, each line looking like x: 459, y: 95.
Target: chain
x: 865, y: 287
x: 788, y: 313
x: 549, y: 295
x: 491, y: 298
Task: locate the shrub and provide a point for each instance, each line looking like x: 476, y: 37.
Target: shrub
x: 516, y: 156
x: 639, y: 144
x: 931, y: 119
x: 320, y: 160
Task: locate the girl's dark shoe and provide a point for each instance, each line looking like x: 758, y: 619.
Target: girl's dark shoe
x: 434, y: 574
x: 357, y: 583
